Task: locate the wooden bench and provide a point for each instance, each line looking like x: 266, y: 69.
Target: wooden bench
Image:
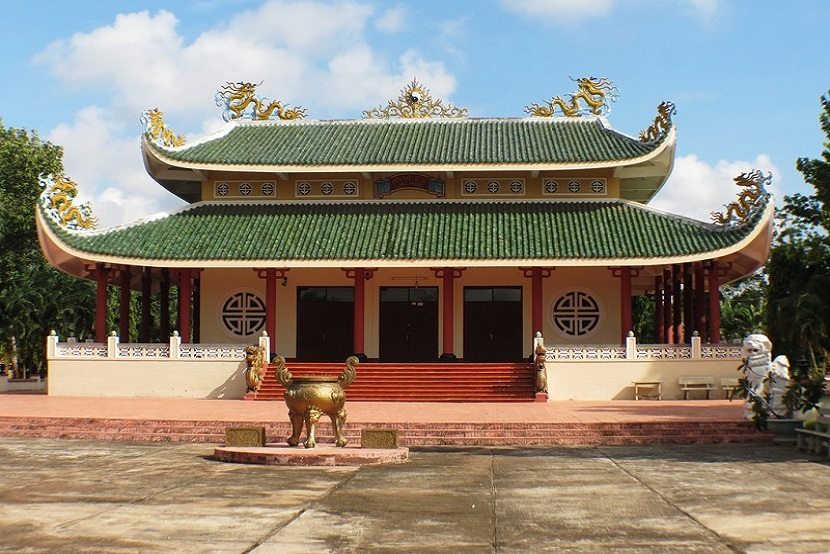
x: 729, y: 385
x: 696, y: 383
x: 814, y: 440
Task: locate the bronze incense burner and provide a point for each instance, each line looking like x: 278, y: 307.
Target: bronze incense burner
x: 308, y: 398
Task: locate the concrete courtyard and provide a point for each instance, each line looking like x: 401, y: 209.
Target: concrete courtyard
x: 86, y: 496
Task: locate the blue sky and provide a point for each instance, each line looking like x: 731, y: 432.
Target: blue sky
x: 746, y: 76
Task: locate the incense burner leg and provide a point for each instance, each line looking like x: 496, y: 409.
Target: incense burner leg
x: 312, y: 416
x: 338, y: 422
x: 296, y: 428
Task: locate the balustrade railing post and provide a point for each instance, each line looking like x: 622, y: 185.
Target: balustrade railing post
x: 696, y: 348
x: 631, y: 346
x: 175, y: 344
x: 52, y: 345
x: 112, y: 345
x: 265, y: 344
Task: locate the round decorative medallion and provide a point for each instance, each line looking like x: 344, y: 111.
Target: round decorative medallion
x: 551, y: 187
x: 493, y: 187
x: 349, y: 188
x: 597, y: 187
x: 574, y: 186
x: 303, y: 189
x: 245, y: 189
x: 243, y: 314
x: 576, y: 314
x: 516, y: 187
x: 470, y: 187
x: 222, y: 189
x: 267, y: 189
x: 326, y: 188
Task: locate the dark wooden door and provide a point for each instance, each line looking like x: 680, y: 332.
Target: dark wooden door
x: 408, y: 324
x: 325, y: 323
x: 493, y: 324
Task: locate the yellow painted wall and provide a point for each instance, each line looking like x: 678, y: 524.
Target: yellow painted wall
x: 150, y: 378
x: 218, y: 284
x: 597, y: 380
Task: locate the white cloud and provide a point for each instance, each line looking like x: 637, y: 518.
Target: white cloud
x: 704, y: 10
x: 306, y: 53
x: 696, y: 188
x: 392, y: 20
x: 95, y: 153
x: 559, y: 11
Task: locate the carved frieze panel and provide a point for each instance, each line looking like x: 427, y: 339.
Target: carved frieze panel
x: 575, y: 186
x: 242, y: 190
x: 327, y: 188
x: 487, y: 188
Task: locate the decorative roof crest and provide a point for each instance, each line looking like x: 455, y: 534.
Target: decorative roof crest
x: 57, y: 201
x: 662, y: 123
x: 241, y: 102
x: 595, y: 92
x: 415, y: 102
x: 749, y: 199
x: 155, y: 127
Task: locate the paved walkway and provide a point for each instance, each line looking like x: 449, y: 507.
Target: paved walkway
x: 84, y: 496
x: 19, y: 405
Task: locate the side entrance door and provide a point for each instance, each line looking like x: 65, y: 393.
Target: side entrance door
x: 493, y: 324
x: 325, y: 323
x: 408, y: 324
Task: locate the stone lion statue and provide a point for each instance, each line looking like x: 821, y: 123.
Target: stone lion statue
x: 767, y: 379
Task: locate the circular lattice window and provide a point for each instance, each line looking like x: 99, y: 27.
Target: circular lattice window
x: 576, y: 314
x: 243, y: 314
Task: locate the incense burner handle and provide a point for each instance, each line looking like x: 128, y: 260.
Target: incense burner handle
x: 283, y: 375
x: 347, y: 377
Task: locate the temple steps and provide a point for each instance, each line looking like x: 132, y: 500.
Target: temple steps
x: 431, y: 382
x: 410, y: 434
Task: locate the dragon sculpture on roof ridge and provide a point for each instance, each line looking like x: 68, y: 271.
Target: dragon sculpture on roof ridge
x: 155, y: 127
x: 594, y: 92
x: 753, y: 191
x: 57, y: 200
x: 240, y: 101
x: 662, y: 123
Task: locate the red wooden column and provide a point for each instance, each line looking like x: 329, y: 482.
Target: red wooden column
x: 677, y: 304
x: 658, y: 310
x: 360, y: 276
x: 448, y: 275
x: 271, y: 276
x: 668, y: 291
x: 100, y: 302
x: 164, y: 305
x: 688, y: 316
x: 536, y: 275
x: 700, y: 302
x: 625, y: 303
x: 124, y: 304
x: 146, y: 292
x: 714, y: 303
x: 185, y: 290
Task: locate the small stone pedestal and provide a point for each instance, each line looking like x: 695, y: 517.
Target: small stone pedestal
x: 322, y: 455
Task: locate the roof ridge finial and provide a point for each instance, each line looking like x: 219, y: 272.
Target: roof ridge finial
x: 752, y: 195
x: 240, y: 101
x: 415, y: 102
x: 662, y: 123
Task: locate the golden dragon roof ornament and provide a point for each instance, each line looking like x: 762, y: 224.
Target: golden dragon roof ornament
x: 415, y: 102
x: 752, y: 195
x: 661, y: 125
x: 157, y: 130
x: 594, y: 92
x: 241, y: 102
x: 57, y: 201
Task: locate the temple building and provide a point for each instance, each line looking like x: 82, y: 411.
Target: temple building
x: 415, y: 235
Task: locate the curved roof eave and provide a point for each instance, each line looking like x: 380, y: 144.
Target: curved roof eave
x: 753, y: 249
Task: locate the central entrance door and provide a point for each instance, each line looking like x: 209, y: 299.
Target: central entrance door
x: 325, y: 323
x: 408, y: 324
x: 493, y: 324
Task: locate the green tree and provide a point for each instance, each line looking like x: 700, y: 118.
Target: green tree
x: 34, y: 296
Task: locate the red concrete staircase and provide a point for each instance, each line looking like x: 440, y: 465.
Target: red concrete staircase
x: 406, y: 382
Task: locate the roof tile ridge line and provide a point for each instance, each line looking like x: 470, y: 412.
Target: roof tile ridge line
x: 221, y: 133
x: 750, y: 222
x: 397, y: 201
x: 136, y: 222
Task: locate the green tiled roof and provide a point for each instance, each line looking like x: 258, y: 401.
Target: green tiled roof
x: 423, y: 142
x: 434, y: 230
